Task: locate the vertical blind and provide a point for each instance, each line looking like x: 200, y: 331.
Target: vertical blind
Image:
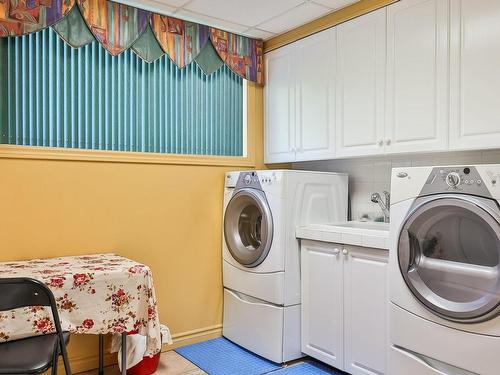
x: 56, y: 96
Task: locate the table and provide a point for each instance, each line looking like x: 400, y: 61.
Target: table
x: 95, y: 294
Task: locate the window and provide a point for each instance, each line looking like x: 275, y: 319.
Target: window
x: 56, y: 96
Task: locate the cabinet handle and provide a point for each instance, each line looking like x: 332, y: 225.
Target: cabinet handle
x: 345, y: 252
x: 381, y: 143
x: 336, y: 251
x: 388, y: 142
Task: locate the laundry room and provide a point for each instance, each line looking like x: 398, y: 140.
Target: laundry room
x: 231, y: 187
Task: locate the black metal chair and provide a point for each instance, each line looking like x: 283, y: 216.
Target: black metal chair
x: 36, y: 354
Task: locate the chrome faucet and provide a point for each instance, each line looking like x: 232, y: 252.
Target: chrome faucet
x: 384, y: 205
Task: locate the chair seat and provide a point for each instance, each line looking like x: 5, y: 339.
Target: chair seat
x: 29, y: 355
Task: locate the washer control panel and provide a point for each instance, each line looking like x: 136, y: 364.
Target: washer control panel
x: 455, y: 179
x: 268, y: 178
x: 231, y: 179
x: 254, y: 179
x: 248, y: 179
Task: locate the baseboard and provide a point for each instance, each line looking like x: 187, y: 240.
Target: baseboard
x: 82, y: 364
x: 194, y: 336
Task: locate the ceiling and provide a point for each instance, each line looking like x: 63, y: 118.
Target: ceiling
x: 256, y: 18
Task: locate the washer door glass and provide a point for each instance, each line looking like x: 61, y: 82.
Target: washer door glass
x: 248, y: 227
x: 449, y: 253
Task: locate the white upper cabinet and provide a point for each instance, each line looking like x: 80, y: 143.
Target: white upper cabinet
x: 315, y: 96
x: 279, y: 106
x: 475, y: 74
x: 360, y: 85
x: 417, y: 76
x: 299, y: 100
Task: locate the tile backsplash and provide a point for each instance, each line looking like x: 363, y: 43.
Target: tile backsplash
x: 373, y: 174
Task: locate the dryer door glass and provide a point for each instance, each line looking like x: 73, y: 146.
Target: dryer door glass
x: 449, y: 254
x: 248, y: 227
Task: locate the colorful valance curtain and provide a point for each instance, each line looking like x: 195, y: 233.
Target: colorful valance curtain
x: 118, y: 27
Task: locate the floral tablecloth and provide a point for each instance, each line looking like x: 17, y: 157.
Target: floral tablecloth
x: 102, y: 293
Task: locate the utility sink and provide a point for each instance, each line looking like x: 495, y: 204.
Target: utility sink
x: 360, y: 233
x: 352, y: 226
x: 370, y: 225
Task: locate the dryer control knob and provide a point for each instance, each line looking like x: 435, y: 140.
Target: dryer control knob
x: 247, y: 179
x: 453, y: 179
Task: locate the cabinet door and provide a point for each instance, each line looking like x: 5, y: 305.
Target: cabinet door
x: 475, y: 74
x: 417, y: 76
x: 322, y: 302
x: 360, y: 85
x: 315, y: 69
x: 365, y: 310
x: 278, y: 107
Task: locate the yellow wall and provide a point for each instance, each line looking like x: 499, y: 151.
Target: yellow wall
x: 165, y: 215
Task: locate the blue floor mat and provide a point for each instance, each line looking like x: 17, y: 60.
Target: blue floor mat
x: 221, y: 357
x: 307, y: 368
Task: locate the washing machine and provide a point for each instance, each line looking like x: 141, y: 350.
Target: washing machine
x: 444, y: 272
x: 261, y: 256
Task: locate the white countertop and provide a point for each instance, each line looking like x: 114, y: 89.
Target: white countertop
x: 366, y: 234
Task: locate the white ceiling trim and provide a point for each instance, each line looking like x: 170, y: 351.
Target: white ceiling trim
x: 282, y: 15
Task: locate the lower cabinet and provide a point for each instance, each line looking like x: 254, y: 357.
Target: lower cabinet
x: 344, y: 306
x: 322, y: 314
